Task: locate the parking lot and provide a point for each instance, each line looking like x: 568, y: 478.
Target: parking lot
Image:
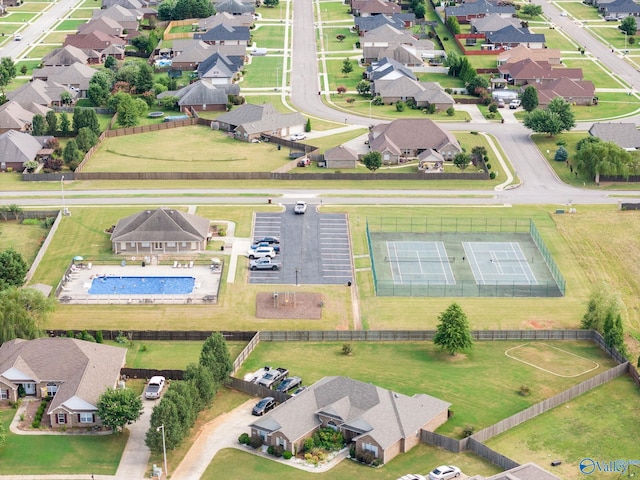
x: 315, y: 248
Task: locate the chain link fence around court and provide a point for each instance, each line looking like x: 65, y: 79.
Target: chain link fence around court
x: 453, y: 232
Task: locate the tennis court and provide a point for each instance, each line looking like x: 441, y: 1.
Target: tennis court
x: 419, y: 262
x: 501, y: 263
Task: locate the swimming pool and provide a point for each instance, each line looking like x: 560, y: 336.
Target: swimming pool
x: 120, y: 285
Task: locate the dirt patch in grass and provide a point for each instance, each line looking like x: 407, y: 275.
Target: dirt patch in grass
x: 538, y: 324
x: 302, y: 305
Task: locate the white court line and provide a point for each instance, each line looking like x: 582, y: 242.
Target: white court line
x: 549, y: 371
x: 475, y: 260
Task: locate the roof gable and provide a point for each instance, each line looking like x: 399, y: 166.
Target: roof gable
x: 162, y: 224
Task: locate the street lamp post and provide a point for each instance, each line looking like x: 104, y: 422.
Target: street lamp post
x: 64, y: 208
x: 277, y: 76
x: 164, y: 450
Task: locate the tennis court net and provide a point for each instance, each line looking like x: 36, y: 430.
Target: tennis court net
x: 419, y: 259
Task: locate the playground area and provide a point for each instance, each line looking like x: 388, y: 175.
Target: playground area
x: 289, y: 305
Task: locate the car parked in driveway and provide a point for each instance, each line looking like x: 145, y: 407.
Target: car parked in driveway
x: 288, y: 383
x: 154, y: 388
x: 263, y: 264
x: 444, y: 472
x: 298, y: 136
x: 273, y: 376
x: 300, y: 208
x: 263, y: 406
x: 261, y: 252
x: 514, y: 104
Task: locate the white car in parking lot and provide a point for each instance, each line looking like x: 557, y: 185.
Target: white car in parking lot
x: 261, y: 252
x: 444, y: 472
x: 300, y: 208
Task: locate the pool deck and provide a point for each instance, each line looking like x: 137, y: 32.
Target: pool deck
x: 76, y: 284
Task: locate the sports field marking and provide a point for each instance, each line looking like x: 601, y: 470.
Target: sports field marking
x: 419, y: 263
x: 501, y: 263
x: 558, y: 360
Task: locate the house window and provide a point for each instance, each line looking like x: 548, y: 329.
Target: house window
x: 406, y: 152
x: 332, y: 425
x: 4, y: 394
x: 184, y: 245
x: 52, y: 388
x: 263, y: 435
x: 62, y: 418
x: 386, y: 157
x: 281, y: 442
x: 171, y: 244
x: 157, y: 245
x: 367, y: 447
x: 86, y: 418
x: 145, y: 244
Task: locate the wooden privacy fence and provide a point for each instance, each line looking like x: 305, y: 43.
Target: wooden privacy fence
x: 244, y: 354
x: 257, y: 390
x: 149, y: 372
x: 150, y: 335
x: 490, y: 454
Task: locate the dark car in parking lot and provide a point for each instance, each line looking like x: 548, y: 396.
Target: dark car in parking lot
x: 263, y: 406
x: 270, y: 240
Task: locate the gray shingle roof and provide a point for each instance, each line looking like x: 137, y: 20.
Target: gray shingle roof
x: 18, y: 147
x: 235, y: 7
x: 260, y: 118
x: 493, y: 23
x: 14, y: 116
x: 224, y: 32
x: 202, y: 93
x: 389, y: 34
x: 384, y: 415
x: 77, y: 74
x: 479, y: 7
x: 622, y: 6
x: 625, y: 135
x: 340, y: 153
x: 65, y: 56
x: 511, y: 34
x: 85, y: 369
x: 365, y: 24
x: 410, y: 134
x: 380, y: 69
x: 161, y: 225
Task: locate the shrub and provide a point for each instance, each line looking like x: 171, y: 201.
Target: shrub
x: 287, y: 455
x: 468, y: 430
x: 244, y: 439
x: 493, y: 107
x: 256, y: 442
x: 451, y: 111
x: 350, y: 100
x: 352, y: 448
x: 561, y: 154
x: 99, y: 337
x: 492, y: 175
x: 341, y: 89
x: 524, y: 391
x: 270, y: 449
x: 347, y: 349
x: 308, y: 444
x: 400, y: 106
x: 366, y: 457
x: 278, y: 450
x: 30, y: 221
x: 561, y: 142
x: 488, y: 166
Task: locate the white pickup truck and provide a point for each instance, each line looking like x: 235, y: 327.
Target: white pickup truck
x: 263, y: 264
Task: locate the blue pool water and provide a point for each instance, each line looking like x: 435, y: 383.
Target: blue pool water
x: 116, y: 285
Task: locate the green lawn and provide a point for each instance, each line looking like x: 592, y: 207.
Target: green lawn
x: 264, y: 72
x: 17, y: 17
x: 81, y: 13
x: 566, y: 433
x: 418, y: 367
x: 331, y: 11
x: 446, y: 81
x: 270, y: 13
x: 70, y: 25
x: 420, y: 459
x: 269, y: 36
x: 55, y: 38
x: 333, y: 45
x: 195, y: 149
x: 609, y: 34
x: 580, y: 11
x: 595, y: 72
x: 25, y: 239
x: 33, y: 6
x: 31, y: 64
x: 483, y: 61
x: 59, y: 454
x: 554, y: 38
x: 337, y: 78
x: 40, y: 51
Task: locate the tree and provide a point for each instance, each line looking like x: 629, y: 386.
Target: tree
x: 165, y: 10
x: 65, y: 98
x: 71, y: 153
x: 629, y: 25
x: 199, y: 9
x: 65, y: 124
x: 586, y: 141
x: 420, y: 10
x: 215, y: 357
x: 347, y: 67
x: 38, y: 125
x: 204, y: 382
x: 453, y: 333
x: 340, y: 37
x: 561, y: 154
x: 307, y: 126
x: 164, y: 413
x: 453, y: 25
x: 144, y: 79
x: 13, y: 269
x: 467, y: 73
x: 531, y: 10
x: 543, y: 121
x: 24, y: 69
x: 462, y: 160
x: 110, y: 62
x: 8, y: 72
x: 363, y: 87
x: 86, y: 139
x: 563, y: 109
x: 52, y: 122
x: 23, y: 312
x: 86, y: 117
x: 530, y: 98
x: 372, y: 160
x: 127, y: 112
x: 603, y: 302
x: 119, y: 407
x: 614, y: 332
x: 602, y: 158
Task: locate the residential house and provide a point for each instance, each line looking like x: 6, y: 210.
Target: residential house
x: 369, y: 8
x: 620, y: 9
x: 404, y: 139
x: 340, y: 157
x: 224, y: 35
x: 160, y: 231
x: 76, y: 76
x: 493, y: 23
x: 98, y: 42
x: 387, y: 68
x: 528, y: 471
x: 102, y: 24
x: 235, y: 7
x: 528, y: 71
x: 510, y: 37
x: 225, y: 18
x: 387, y: 41
x: 250, y: 122
x: 399, y: 21
x: 43, y: 93
x: 481, y: 8
x: 369, y: 417
x: 128, y: 19
x: 576, y: 92
x: 430, y: 161
x: 65, y: 56
x: 219, y: 69
x: 14, y: 116
x: 188, y: 54
x: 18, y: 148
x: 203, y: 96
x: 423, y: 93
x: 625, y: 135
x: 73, y: 373
x: 522, y: 52
x: 128, y: 4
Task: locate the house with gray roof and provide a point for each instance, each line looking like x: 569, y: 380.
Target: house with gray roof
x: 405, y: 139
x: 387, y: 41
x: 218, y: 69
x: 219, y: 18
x: 528, y: 471
x: 76, y: 76
x: 128, y: 19
x: 387, y: 68
x: 235, y: 7
x: 18, y: 148
x: 73, y: 373
x: 394, y: 90
x: 224, y: 34
x: 493, y: 23
x: 341, y: 157
x: 510, y: 37
x: 14, y: 116
x: 67, y: 55
x: 369, y: 8
x: 202, y: 96
x: 250, y: 121
x: 188, y: 54
x: 399, y: 21
x: 620, y: 8
x: 43, y: 93
x: 370, y: 418
x: 625, y: 135
x: 102, y: 24
x: 481, y: 8
x: 159, y: 231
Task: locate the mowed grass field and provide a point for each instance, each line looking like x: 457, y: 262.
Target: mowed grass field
x: 61, y: 454
x: 25, y: 239
x: 420, y: 367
